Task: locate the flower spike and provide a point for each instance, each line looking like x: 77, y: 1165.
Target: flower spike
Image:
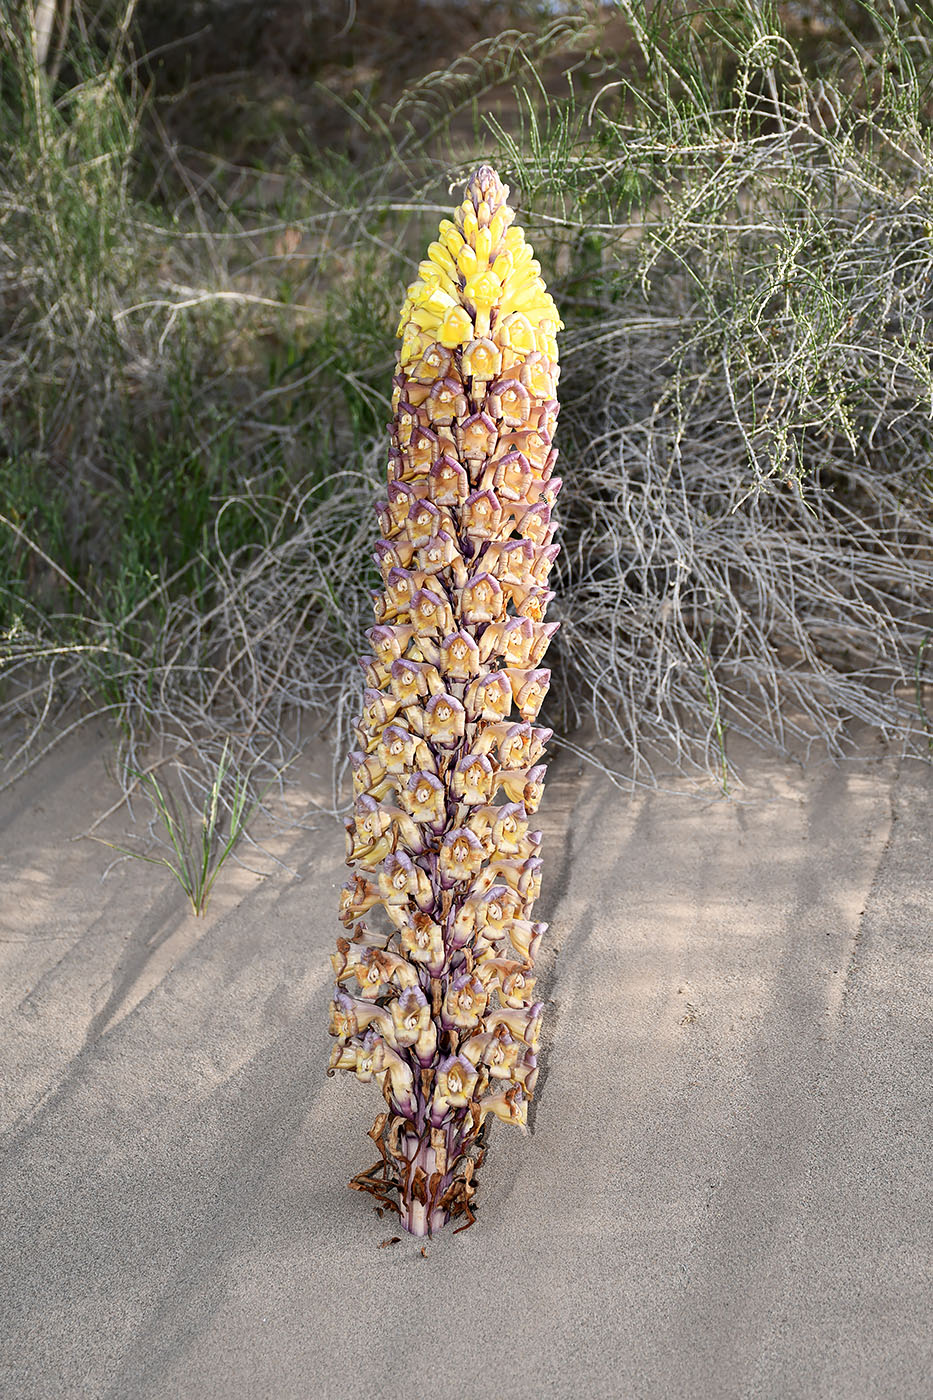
x: 434, y: 990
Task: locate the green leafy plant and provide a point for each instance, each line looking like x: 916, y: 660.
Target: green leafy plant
x: 197, y: 855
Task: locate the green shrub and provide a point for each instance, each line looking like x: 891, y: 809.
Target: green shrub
x: 735, y: 216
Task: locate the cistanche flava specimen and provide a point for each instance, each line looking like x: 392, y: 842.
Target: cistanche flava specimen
x: 438, y: 1004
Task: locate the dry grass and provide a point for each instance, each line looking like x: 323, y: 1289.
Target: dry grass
x: 194, y: 396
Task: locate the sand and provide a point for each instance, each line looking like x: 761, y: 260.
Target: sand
x: 726, y: 1191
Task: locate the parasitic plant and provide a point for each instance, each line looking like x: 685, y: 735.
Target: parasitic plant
x: 436, y: 1001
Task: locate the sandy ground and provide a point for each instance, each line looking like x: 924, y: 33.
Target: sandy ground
x: 726, y: 1192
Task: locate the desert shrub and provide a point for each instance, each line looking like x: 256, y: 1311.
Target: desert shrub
x: 748, y: 396
x: 734, y: 212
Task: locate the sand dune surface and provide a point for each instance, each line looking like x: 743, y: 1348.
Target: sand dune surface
x: 726, y: 1191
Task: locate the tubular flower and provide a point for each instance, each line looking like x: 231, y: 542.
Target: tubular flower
x: 434, y: 998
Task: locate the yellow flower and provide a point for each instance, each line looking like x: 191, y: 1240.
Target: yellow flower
x: 510, y: 978
x: 397, y: 1083
x: 400, y: 881
x: 392, y: 554
x: 481, y: 600
x: 521, y: 745
x: 425, y: 1047
x: 399, y: 586
x: 481, y: 359
x: 499, y: 223
x: 483, y: 241
x: 522, y: 785
x: 422, y: 450
x: 465, y: 1002
x: 467, y: 261
x: 414, y: 343
x: 369, y: 775
x: 365, y: 832
x: 378, y: 711
x: 509, y: 1105
x: 476, y: 436
x: 542, y: 561
x: 424, y: 520
x: 377, y: 968
x: 440, y: 256
x: 405, y: 835
x: 369, y: 1058
x: 397, y: 749
x: 532, y: 443
x: 343, y: 1022
x: 515, y: 332
x: 499, y: 907
x: 387, y: 642
x: 510, y: 835
x: 473, y: 779
x: 529, y: 688
x: 450, y: 236
x: 497, y: 639
x: 530, y: 602
x: 431, y: 614
x: 509, y: 400
x: 526, y: 1073
x: 498, y: 1051
x: 434, y: 364
x: 352, y: 1016
x: 503, y: 265
x: 445, y: 402
x: 464, y: 924
x: 483, y: 289
x: 481, y: 514
x: 422, y: 941
x: 412, y: 681
x: 456, y: 1079
x: 523, y: 1023
x: 538, y: 376
x: 434, y: 298
x: 489, y: 697
x: 411, y: 1015
x: 449, y: 484
x: 342, y: 1057
x: 424, y: 320
x: 425, y: 798
x: 480, y: 822
x: 441, y: 552
x: 535, y: 525
x: 444, y: 720
x: 459, y: 656
x: 357, y: 897
x: 460, y: 857
x: 517, y: 988
x: 519, y: 873
x: 453, y: 1088
x: 457, y: 328
x: 401, y: 498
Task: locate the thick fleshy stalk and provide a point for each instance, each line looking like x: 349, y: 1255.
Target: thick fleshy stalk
x: 435, y: 987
